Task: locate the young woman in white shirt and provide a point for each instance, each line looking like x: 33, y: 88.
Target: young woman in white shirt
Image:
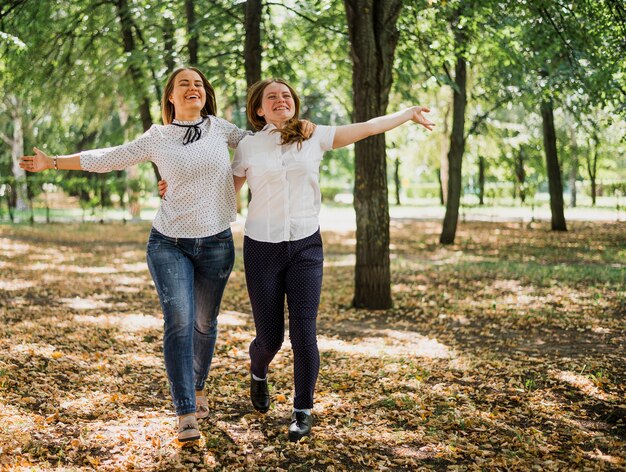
x: 282, y: 245
x: 190, y: 251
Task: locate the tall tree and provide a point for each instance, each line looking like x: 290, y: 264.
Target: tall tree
x: 252, y: 48
x: 552, y: 164
x: 572, y: 50
x: 457, y: 137
x: 12, y: 105
x: 481, y: 179
x: 192, y: 32
x: 128, y: 39
x: 373, y: 40
x: 445, y: 47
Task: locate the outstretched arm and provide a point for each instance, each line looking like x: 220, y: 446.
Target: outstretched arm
x: 348, y: 134
x: 41, y: 161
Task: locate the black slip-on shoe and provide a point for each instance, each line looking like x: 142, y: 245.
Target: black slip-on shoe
x: 300, y: 426
x: 259, y: 395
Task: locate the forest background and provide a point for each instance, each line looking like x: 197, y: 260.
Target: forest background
x: 529, y: 98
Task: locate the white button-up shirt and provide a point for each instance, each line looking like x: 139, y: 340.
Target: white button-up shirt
x: 284, y: 182
x: 200, y: 199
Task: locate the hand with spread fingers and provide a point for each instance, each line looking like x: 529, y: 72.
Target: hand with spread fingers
x: 420, y: 119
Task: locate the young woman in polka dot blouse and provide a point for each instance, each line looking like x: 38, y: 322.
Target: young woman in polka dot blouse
x: 190, y: 251
x: 282, y: 245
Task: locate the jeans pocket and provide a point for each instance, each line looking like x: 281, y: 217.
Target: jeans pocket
x: 153, y: 244
x: 225, y: 235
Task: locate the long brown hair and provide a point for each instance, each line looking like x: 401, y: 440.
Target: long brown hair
x: 292, y: 131
x: 168, y: 112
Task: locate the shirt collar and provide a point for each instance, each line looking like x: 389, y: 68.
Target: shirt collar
x: 189, y: 123
x: 268, y: 127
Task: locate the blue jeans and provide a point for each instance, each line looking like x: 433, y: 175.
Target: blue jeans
x: 189, y: 275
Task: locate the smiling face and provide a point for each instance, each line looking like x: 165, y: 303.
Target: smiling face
x: 277, y: 106
x: 188, y: 95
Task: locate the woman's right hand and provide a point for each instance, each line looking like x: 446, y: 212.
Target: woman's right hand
x: 40, y: 161
x: 162, y: 188
x: 420, y: 119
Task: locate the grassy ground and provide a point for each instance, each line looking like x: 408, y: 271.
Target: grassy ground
x: 505, y: 351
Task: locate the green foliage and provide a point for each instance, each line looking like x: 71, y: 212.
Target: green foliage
x: 82, y: 94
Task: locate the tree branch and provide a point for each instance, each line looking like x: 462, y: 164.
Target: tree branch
x: 6, y: 139
x: 311, y: 20
x: 546, y: 15
x: 447, y: 71
x: 12, y: 5
x: 481, y: 118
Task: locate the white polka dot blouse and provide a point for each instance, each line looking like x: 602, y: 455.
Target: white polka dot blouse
x: 200, y: 199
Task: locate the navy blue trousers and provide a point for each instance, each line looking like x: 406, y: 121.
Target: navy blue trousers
x: 273, y: 271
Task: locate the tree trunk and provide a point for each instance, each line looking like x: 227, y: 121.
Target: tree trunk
x: 592, y: 166
x: 132, y: 173
x: 481, y: 180
x: 594, y: 192
x: 252, y: 50
x: 396, y: 178
x: 573, y: 174
x: 520, y: 175
x: 573, y: 171
x: 443, y: 158
x: 169, y: 31
x: 373, y: 40
x: 252, y: 47
x: 552, y: 165
x: 457, y: 140
x: 16, y: 142
x: 192, y: 32
x: 442, y: 198
x: 126, y: 24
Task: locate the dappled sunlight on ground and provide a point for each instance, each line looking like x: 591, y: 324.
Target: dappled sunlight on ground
x: 584, y: 384
x: 234, y: 318
x: 35, y: 349
x: 15, y: 284
x: 503, y: 351
x: 380, y: 343
x: 84, y: 303
x: 127, y: 322
x: 344, y: 261
x: 12, y: 248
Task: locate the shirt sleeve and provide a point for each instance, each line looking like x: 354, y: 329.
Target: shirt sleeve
x: 238, y: 164
x: 120, y: 157
x: 232, y: 132
x: 325, y: 135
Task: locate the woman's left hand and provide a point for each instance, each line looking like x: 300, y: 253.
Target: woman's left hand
x: 307, y: 128
x: 162, y: 188
x: 419, y: 118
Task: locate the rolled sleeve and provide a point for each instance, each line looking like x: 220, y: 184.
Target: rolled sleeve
x: 325, y: 135
x: 238, y: 164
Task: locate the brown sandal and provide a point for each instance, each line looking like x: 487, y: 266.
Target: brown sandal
x: 188, y: 428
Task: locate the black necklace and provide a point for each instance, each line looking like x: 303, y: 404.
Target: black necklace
x: 193, y: 132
